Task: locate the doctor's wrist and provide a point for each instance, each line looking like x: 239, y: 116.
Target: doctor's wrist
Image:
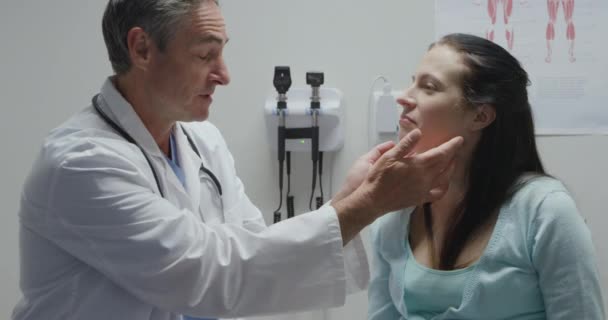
x: 355, y: 212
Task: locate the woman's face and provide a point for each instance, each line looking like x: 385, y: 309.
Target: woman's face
x: 434, y: 102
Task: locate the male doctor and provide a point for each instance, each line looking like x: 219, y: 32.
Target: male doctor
x: 133, y: 209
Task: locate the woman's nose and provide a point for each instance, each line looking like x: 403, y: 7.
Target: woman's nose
x: 406, y: 101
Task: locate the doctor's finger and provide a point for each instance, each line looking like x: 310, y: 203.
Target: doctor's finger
x: 440, y: 156
x: 374, y: 154
x: 406, y: 145
x: 441, y: 183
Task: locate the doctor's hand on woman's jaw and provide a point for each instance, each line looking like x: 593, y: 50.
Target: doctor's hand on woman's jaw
x: 358, y: 171
x: 390, y: 178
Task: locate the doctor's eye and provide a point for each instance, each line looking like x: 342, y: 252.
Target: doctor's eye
x: 209, y: 56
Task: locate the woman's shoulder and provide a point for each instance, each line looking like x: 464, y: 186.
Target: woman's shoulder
x: 532, y: 190
x: 543, y: 199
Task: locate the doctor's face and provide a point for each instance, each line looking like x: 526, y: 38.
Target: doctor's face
x: 183, y: 77
x: 434, y: 102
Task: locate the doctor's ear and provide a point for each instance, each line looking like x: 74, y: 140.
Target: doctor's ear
x: 484, y: 116
x: 139, y: 46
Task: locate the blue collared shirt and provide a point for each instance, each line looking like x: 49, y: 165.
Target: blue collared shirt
x: 174, y: 161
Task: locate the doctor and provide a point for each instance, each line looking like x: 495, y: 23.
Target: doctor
x: 133, y: 209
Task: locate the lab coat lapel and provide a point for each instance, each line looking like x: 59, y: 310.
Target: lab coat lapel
x: 196, y: 192
x: 122, y: 113
x: 202, y: 191
x: 190, y: 163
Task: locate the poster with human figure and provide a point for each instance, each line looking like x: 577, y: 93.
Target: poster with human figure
x: 493, y: 7
x: 568, y: 8
x: 559, y: 43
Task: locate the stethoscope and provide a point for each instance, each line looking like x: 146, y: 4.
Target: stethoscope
x: 130, y: 139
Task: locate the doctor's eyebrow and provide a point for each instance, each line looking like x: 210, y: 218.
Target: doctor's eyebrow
x: 212, y: 38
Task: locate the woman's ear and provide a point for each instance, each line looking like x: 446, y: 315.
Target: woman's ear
x: 484, y: 116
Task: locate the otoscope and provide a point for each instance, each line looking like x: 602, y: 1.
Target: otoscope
x: 282, y: 82
x: 315, y: 80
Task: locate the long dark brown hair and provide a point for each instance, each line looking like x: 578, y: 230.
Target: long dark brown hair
x: 507, y: 148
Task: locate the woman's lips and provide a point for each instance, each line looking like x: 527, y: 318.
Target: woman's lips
x: 405, y: 120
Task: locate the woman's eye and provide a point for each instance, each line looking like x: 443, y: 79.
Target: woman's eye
x: 429, y: 88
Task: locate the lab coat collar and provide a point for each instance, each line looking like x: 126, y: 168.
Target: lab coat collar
x: 121, y: 112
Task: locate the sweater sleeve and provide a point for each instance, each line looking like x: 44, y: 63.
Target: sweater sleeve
x: 564, y: 257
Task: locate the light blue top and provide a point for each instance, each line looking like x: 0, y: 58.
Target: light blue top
x: 429, y: 292
x: 539, y: 263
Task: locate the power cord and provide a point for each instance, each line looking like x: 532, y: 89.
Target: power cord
x: 370, y: 108
x: 290, y: 198
x: 320, y: 198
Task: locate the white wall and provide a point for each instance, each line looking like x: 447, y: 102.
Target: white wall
x: 53, y: 60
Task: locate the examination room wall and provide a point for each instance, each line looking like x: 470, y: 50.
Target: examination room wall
x: 53, y: 60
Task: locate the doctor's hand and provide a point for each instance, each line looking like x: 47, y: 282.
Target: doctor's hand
x: 398, y: 179
x: 358, y: 172
x: 401, y: 179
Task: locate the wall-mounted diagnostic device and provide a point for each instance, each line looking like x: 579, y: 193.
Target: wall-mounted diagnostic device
x: 383, y: 113
x: 304, y: 119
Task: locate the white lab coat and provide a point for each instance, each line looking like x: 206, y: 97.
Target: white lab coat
x: 99, y: 242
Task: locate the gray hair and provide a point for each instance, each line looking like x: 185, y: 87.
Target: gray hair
x: 159, y: 18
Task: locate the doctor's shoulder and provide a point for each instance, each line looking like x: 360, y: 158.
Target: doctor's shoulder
x: 86, y: 136
x: 79, y: 156
x: 205, y: 134
x: 83, y: 145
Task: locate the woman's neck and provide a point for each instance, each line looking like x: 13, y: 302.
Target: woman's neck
x: 444, y: 208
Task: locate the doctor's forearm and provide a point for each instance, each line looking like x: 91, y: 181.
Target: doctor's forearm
x: 355, y: 212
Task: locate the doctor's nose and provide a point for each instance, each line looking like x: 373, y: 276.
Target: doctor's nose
x: 220, y: 76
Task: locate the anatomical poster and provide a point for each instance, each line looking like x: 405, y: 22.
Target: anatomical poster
x: 563, y: 44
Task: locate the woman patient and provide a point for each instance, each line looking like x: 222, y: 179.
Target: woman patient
x: 506, y: 241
